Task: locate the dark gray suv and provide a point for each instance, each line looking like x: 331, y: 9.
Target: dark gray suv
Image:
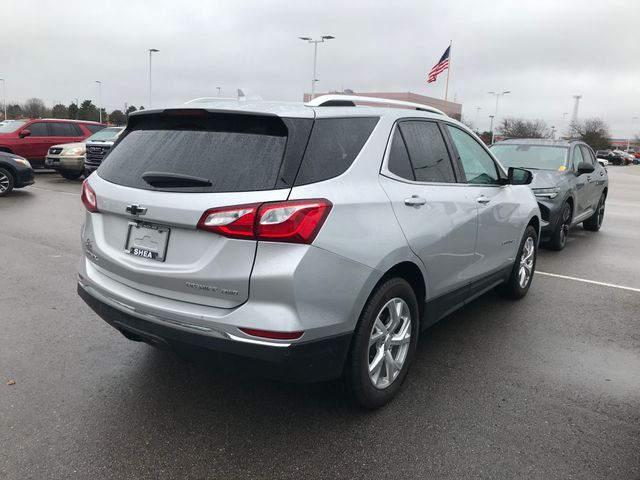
x: 569, y: 183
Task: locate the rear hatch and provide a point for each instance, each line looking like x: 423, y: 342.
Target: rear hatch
x: 166, y: 170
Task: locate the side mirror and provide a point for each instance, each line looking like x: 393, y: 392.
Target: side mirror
x: 24, y: 133
x: 585, y: 167
x: 519, y: 176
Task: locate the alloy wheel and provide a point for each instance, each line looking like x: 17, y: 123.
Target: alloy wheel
x: 389, y: 342
x: 526, y: 262
x: 564, y: 228
x: 4, y: 182
x: 601, y: 212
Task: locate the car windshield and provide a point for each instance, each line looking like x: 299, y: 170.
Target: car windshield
x: 543, y: 157
x: 11, y: 127
x: 106, y: 134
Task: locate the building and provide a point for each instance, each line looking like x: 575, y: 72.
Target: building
x: 454, y: 110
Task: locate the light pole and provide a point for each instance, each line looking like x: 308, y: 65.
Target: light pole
x: 151, y: 52
x: 4, y: 98
x: 99, y: 98
x: 495, y: 114
x: 633, y: 119
x: 491, y: 127
x: 218, y: 88
x: 477, y: 113
x: 315, y: 57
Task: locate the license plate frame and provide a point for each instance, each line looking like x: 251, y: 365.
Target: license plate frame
x: 147, y: 240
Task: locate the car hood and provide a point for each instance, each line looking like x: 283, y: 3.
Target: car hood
x: 545, y: 178
x: 68, y: 145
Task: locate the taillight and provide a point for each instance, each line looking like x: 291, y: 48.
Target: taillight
x: 234, y: 222
x: 89, y: 197
x: 271, y: 334
x: 295, y: 221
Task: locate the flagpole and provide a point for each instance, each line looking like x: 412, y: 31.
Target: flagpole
x: 446, y: 88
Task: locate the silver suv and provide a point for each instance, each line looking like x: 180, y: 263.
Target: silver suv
x: 310, y: 241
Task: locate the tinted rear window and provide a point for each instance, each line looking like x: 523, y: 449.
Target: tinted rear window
x: 333, y: 146
x: 93, y: 128
x: 234, y: 154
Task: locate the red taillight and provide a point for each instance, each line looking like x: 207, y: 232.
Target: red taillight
x: 234, y: 222
x: 271, y: 334
x: 295, y: 221
x: 89, y: 197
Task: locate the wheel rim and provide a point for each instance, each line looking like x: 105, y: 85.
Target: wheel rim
x: 601, y: 212
x: 526, y: 262
x: 389, y: 343
x: 564, y: 228
x: 4, y: 183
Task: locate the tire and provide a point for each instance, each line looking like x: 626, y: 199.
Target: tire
x: 594, y: 222
x: 517, y: 285
x: 6, y: 182
x: 559, y: 236
x: 374, y: 390
x: 70, y: 175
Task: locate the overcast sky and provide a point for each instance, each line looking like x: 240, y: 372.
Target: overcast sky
x: 543, y: 51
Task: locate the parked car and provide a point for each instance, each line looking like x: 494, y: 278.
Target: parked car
x: 570, y: 185
x: 68, y: 158
x: 97, y: 150
x: 31, y: 139
x: 15, y: 172
x: 313, y: 241
x: 611, y: 157
x: 626, y: 159
x: 603, y: 161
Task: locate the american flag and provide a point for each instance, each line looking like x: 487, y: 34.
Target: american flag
x: 439, y: 67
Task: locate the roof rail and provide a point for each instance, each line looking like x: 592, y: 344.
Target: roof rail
x: 351, y: 100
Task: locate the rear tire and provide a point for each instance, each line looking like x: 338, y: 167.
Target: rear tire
x: 70, y: 175
x: 6, y: 182
x: 524, y: 267
x: 560, y: 234
x: 594, y: 222
x: 383, y: 344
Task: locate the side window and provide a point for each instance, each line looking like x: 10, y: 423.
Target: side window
x: 577, y: 158
x: 333, y: 146
x: 399, y: 163
x: 587, y: 155
x: 428, y: 152
x: 59, y: 129
x: 477, y: 164
x: 38, y: 129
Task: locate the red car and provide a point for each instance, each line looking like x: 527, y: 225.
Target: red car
x: 31, y: 139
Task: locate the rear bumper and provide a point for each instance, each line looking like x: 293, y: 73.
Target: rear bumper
x: 303, y: 362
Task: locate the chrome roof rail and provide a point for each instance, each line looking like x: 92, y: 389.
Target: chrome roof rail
x: 351, y: 100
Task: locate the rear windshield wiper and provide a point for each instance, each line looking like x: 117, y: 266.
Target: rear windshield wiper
x: 175, y: 180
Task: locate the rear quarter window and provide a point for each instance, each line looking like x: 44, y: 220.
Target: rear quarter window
x: 333, y: 146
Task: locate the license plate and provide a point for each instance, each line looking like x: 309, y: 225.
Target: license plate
x: 147, y: 240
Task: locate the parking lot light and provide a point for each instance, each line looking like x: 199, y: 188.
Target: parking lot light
x: 4, y: 98
x: 495, y: 114
x: 315, y: 57
x: 633, y: 119
x: 99, y: 99
x: 151, y: 52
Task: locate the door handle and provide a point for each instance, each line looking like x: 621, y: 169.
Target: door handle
x: 414, y: 200
x: 482, y: 199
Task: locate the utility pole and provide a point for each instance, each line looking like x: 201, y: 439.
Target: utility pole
x: 151, y: 52
x: 576, y: 105
x: 633, y: 119
x: 99, y: 99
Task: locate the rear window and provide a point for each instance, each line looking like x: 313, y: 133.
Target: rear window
x: 11, y: 127
x: 234, y: 152
x: 92, y: 127
x: 333, y: 146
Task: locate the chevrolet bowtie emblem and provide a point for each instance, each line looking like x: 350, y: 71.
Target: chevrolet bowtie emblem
x: 136, y: 209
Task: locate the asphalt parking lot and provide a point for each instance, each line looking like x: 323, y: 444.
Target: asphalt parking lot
x: 548, y: 387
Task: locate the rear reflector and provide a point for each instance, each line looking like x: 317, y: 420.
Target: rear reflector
x: 271, y: 334
x: 295, y: 221
x: 88, y: 197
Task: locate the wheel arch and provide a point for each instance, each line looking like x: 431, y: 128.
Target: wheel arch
x: 410, y: 272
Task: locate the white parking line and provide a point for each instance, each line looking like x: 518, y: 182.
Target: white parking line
x: 584, y: 280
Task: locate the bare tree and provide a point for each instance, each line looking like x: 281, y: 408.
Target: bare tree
x: 34, y: 108
x: 521, y: 128
x: 593, y: 131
